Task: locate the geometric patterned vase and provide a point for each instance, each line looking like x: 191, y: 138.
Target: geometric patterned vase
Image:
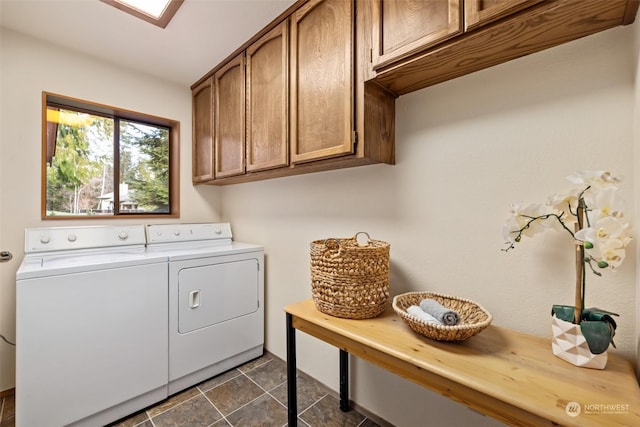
x: 569, y: 344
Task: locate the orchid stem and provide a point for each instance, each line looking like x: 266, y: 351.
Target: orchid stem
x: 580, y: 270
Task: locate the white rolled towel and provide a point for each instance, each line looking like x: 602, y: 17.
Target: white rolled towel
x: 417, y: 312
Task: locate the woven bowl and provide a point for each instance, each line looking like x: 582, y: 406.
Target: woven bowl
x: 473, y: 318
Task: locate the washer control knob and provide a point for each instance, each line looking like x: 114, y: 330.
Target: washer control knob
x: 72, y: 238
x: 176, y: 233
x: 44, y: 239
x: 217, y: 229
x: 123, y: 235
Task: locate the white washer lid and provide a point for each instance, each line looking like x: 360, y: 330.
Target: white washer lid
x: 70, y: 262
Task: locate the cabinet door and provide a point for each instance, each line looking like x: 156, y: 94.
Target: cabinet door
x: 267, y: 101
x: 229, y: 118
x: 202, y: 127
x: 404, y: 27
x: 480, y: 12
x: 322, y: 80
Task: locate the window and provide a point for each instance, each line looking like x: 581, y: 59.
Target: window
x: 157, y: 12
x: 102, y: 161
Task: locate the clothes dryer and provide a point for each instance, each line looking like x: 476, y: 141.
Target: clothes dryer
x: 216, y: 299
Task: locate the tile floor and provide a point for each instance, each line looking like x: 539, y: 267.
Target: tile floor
x: 7, y: 411
x: 254, y: 394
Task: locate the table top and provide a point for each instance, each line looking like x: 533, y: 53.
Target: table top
x: 506, y: 374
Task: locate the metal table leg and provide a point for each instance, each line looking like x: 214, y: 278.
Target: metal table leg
x: 344, y: 381
x: 292, y: 393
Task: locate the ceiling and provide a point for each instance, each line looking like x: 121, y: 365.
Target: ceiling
x: 201, y: 34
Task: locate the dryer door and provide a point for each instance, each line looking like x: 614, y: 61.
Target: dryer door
x: 215, y: 293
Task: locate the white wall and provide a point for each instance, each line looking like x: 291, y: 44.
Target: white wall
x: 636, y: 157
x: 465, y: 149
x: 29, y: 67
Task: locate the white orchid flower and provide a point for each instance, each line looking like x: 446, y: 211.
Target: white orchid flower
x: 565, y: 202
x: 523, y: 220
x: 613, y: 252
x: 612, y: 228
x: 587, y: 235
x: 606, y: 203
x: 593, y: 178
x: 606, y: 241
x: 605, y: 232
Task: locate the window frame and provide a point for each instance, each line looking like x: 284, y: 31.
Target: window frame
x: 162, y: 21
x: 173, y: 126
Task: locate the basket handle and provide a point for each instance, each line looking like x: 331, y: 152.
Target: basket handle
x: 333, y: 246
x: 366, y: 234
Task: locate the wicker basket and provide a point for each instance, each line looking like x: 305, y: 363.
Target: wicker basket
x: 348, y: 279
x: 473, y: 318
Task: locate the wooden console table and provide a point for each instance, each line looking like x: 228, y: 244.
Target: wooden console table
x: 505, y: 374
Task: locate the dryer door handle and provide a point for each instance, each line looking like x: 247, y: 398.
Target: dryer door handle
x: 194, y: 299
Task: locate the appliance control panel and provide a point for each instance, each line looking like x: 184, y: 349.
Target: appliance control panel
x: 47, y: 239
x: 166, y: 233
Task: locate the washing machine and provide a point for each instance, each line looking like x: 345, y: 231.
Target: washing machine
x: 216, y: 299
x: 91, y: 326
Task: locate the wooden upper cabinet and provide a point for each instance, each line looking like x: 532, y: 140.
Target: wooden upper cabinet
x: 345, y: 69
x: 401, y: 28
x: 202, y: 126
x: 480, y: 12
x: 229, y: 140
x: 524, y: 27
x: 268, y: 100
x: 321, y: 78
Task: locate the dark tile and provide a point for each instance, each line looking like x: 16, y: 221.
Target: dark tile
x: 269, y: 375
x: 218, y: 379
x: 233, y: 394
x: 8, y: 411
x: 132, y: 420
x: 327, y: 413
x: 264, y: 411
x: 173, y: 401
x: 221, y: 423
x: 191, y: 413
x: 142, y: 423
x: 266, y: 357
x: 309, y: 392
